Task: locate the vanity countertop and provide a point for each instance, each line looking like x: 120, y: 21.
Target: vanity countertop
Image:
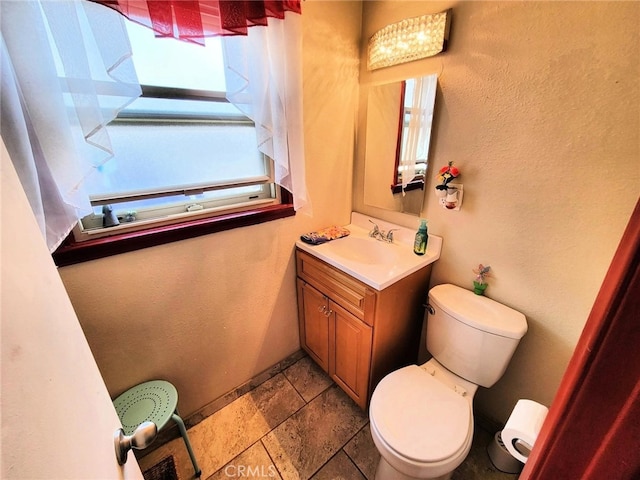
x: 374, y: 262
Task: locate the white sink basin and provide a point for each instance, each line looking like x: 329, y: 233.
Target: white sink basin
x: 363, y: 250
x: 374, y: 262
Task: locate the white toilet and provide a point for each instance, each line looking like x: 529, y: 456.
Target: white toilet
x: 421, y: 416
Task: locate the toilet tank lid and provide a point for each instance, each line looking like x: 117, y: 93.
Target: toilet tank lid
x: 479, y: 311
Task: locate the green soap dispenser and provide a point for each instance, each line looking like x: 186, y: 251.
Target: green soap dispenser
x: 420, y: 244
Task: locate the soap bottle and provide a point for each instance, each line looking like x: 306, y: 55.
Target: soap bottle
x: 420, y: 244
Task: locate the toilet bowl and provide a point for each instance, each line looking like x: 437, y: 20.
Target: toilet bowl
x: 421, y: 421
x: 421, y: 417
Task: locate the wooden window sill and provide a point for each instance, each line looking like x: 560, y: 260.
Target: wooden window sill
x: 71, y: 252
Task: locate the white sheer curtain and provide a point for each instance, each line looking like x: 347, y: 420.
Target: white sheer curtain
x: 66, y: 73
x: 264, y: 80
x: 418, y: 133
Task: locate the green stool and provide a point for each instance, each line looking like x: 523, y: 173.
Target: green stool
x: 155, y: 401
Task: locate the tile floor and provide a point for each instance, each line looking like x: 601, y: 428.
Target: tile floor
x: 296, y: 425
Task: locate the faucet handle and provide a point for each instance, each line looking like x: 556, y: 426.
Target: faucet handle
x: 389, y: 236
x: 376, y: 229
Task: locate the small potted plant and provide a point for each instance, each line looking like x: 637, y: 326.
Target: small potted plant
x: 480, y: 284
x: 446, y: 176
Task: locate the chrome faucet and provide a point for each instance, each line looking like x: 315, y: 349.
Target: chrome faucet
x: 375, y: 232
x: 389, y: 237
x: 381, y: 234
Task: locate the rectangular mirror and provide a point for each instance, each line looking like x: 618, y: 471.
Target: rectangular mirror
x: 399, y: 119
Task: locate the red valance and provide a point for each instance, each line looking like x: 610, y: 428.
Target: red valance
x: 193, y: 20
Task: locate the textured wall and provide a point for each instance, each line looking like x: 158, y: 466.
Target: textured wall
x: 211, y: 312
x: 539, y: 105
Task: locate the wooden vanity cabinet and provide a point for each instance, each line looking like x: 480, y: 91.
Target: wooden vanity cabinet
x: 355, y: 333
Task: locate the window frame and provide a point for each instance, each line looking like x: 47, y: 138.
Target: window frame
x: 73, y: 251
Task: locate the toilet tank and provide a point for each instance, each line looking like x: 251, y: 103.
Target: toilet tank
x: 472, y: 335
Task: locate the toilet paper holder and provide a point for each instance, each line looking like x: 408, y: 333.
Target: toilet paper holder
x: 500, y: 456
x: 522, y: 447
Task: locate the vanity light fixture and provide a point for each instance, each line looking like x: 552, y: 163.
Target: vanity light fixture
x: 408, y: 40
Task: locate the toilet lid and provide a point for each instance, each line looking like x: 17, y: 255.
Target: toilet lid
x: 418, y: 416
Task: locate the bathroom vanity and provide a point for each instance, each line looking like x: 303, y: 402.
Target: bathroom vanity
x: 361, y: 304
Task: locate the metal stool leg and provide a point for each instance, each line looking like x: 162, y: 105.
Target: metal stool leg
x: 185, y: 437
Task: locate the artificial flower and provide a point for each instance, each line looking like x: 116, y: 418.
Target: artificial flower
x: 481, y: 273
x: 446, y: 175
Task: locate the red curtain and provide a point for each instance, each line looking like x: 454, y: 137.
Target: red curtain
x: 193, y: 20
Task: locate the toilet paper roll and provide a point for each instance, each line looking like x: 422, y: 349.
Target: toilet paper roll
x: 522, y: 428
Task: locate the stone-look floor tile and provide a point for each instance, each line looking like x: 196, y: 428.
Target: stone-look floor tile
x: 277, y: 368
x: 477, y: 465
x: 363, y: 452
x: 230, y: 431
x: 276, y: 399
x: 310, y: 437
x: 339, y: 468
x: 308, y: 378
x: 252, y: 463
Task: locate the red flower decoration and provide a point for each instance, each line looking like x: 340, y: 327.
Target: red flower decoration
x: 446, y: 174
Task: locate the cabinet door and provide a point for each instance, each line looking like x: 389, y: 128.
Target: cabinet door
x: 314, y: 324
x: 350, y: 353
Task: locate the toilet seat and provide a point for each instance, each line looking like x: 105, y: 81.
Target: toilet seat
x: 419, y: 418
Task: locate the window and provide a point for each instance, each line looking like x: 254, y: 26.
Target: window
x: 181, y: 150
